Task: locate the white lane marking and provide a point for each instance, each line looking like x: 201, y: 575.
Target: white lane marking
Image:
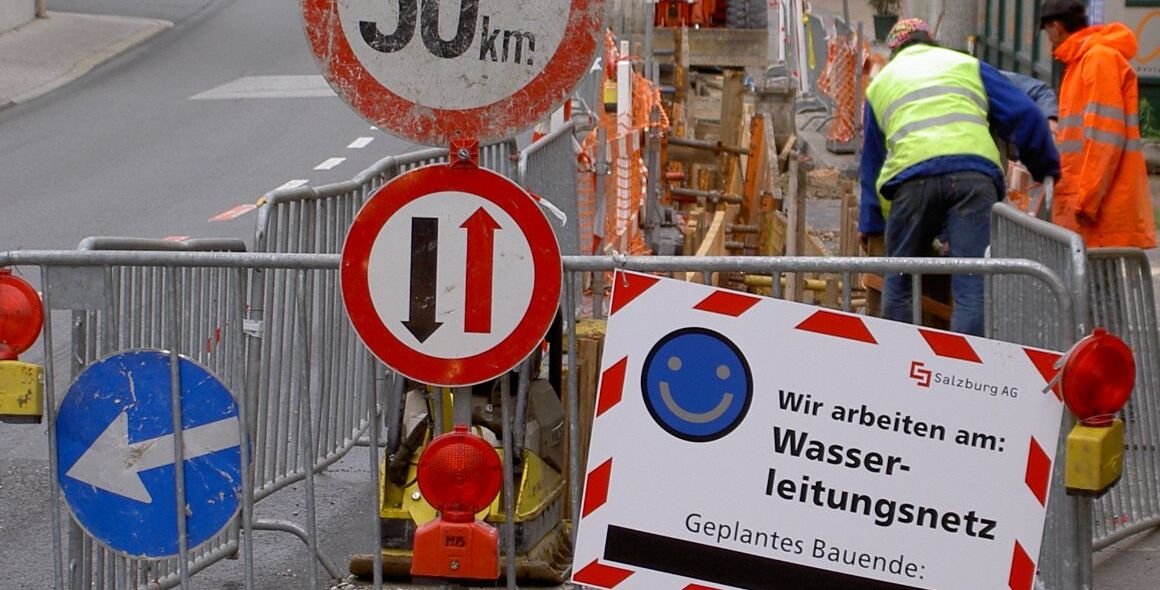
x: 360, y: 143
x: 330, y: 163
x: 313, y: 86
x: 297, y: 182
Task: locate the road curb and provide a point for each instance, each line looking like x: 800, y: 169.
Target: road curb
x: 150, y: 28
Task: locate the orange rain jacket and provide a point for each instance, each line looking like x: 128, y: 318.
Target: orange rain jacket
x: 1103, y: 168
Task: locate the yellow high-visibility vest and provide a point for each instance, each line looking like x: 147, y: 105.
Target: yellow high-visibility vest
x: 929, y: 102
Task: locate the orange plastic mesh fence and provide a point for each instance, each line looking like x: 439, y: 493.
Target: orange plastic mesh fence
x: 837, y: 82
x: 625, y: 185
x: 586, y: 197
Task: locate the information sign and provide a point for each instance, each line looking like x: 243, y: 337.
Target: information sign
x: 741, y: 439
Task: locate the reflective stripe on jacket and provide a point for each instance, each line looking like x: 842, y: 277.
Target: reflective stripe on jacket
x: 1104, y: 174
x: 929, y: 102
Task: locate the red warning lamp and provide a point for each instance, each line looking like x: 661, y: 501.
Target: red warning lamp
x: 21, y: 315
x: 1098, y: 378
x: 459, y: 474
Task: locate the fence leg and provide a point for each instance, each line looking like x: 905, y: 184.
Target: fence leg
x: 509, y: 493
x: 305, y: 431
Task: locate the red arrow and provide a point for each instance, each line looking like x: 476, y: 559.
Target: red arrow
x: 480, y: 262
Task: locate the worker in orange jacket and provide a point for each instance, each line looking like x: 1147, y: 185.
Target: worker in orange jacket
x: 1103, y: 192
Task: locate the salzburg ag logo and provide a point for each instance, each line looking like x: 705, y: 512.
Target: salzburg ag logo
x: 920, y: 374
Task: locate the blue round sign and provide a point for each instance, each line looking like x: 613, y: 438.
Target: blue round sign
x: 697, y: 385
x: 115, y: 450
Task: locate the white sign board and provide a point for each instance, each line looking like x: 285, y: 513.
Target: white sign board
x: 741, y: 439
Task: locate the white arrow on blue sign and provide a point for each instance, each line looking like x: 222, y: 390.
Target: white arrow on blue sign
x: 115, y: 450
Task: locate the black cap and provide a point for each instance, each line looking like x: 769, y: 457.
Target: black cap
x: 1056, y: 9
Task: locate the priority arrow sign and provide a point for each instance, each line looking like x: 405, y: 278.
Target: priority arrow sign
x: 424, y: 266
x: 456, y: 325
x: 480, y: 270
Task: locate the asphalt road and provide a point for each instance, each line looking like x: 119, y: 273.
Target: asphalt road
x: 129, y: 151
x: 203, y: 118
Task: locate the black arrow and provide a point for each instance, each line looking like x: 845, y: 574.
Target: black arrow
x: 424, y: 263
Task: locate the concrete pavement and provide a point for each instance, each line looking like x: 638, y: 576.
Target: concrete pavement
x: 50, y: 52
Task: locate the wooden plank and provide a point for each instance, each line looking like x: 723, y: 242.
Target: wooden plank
x: 771, y: 197
x: 783, y: 157
x: 776, y: 98
x: 931, y: 306
x: 755, y: 171
x: 706, y: 108
x: 844, y: 242
x: 682, y: 55
x: 713, y: 243
x: 795, y: 243
x: 738, y: 48
x: 589, y: 348
x: 694, y: 230
x: 732, y: 105
x: 830, y: 295
x: 679, y: 153
x: 729, y: 127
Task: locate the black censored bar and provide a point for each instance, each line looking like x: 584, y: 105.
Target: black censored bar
x: 723, y: 566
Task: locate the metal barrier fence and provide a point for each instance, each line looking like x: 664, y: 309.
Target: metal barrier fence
x: 315, y: 219
x: 590, y: 89
x: 1017, y: 312
x: 1121, y: 300
x: 1112, y: 288
x: 1015, y: 234
x: 332, y: 361
x: 195, y: 303
x: 547, y: 169
x: 202, y: 305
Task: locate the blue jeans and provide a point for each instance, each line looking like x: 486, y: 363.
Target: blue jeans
x: 956, y: 206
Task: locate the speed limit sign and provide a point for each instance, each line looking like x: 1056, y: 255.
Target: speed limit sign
x: 434, y: 70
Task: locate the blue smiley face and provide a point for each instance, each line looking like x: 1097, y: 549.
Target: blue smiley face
x: 697, y: 385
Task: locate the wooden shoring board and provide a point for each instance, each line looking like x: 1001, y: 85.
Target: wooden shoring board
x: 713, y: 242
x: 755, y: 169
x: 740, y: 48
x: 729, y: 126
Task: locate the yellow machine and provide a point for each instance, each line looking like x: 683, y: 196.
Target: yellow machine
x: 542, y: 536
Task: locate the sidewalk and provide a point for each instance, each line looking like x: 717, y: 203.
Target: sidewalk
x: 50, y: 52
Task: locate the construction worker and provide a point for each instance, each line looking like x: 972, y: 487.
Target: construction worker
x: 1103, y: 194
x: 871, y: 223
x: 929, y: 158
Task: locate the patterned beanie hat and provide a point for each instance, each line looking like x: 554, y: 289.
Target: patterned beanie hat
x: 904, y: 30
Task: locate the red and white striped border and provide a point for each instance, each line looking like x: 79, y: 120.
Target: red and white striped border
x: 630, y: 286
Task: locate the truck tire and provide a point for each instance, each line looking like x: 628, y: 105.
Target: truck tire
x: 736, y: 12
x: 756, y: 17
